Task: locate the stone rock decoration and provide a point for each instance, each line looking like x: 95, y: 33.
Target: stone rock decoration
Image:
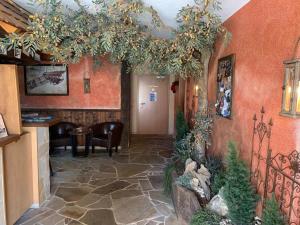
x: 200, y: 178
x: 218, y: 205
x: 226, y: 222
x: 185, y: 202
x: 190, y: 166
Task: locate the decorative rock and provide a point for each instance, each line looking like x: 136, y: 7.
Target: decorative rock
x: 203, y: 175
x: 257, y: 221
x: 198, y: 189
x: 185, y: 202
x: 218, y: 204
x: 194, y: 182
x: 190, y: 166
x: 226, y: 222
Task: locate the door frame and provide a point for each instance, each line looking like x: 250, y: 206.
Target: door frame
x: 135, y: 106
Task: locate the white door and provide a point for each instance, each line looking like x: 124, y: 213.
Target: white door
x: 153, y: 105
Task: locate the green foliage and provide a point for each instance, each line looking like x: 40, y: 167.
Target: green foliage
x: 205, y: 217
x: 215, y: 166
x: 218, y: 181
x: 272, y: 214
x: 185, y: 180
x: 183, y: 149
x: 167, y: 181
x: 202, y: 129
x: 238, y: 192
x: 114, y: 29
x: 182, y: 127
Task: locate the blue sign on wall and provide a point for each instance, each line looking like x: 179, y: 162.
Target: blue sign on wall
x: 153, y: 96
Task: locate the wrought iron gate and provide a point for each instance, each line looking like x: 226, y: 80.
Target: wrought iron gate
x: 279, y: 174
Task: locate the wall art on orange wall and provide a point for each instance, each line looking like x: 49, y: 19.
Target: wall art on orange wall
x: 46, y: 80
x: 224, y: 86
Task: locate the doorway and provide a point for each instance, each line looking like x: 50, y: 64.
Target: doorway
x: 150, y: 105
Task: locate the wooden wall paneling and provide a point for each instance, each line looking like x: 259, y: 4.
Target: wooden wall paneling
x: 9, y: 98
x: 83, y: 117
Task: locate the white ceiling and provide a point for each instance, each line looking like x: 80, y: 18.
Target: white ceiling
x: 167, y: 9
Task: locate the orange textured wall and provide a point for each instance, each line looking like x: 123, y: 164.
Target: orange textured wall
x: 264, y: 35
x: 105, y: 89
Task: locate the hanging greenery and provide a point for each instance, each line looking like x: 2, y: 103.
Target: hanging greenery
x: 114, y: 29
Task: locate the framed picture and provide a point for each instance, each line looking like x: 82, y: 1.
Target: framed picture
x: 224, y: 86
x: 3, y: 131
x: 46, y: 80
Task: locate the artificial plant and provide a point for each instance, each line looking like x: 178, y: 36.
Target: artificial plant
x: 183, y: 149
x: 113, y: 28
x: 182, y: 127
x: 185, y: 180
x: 272, y: 214
x: 202, y: 127
x: 205, y: 217
x: 216, y: 168
x: 168, y: 180
x: 238, y: 191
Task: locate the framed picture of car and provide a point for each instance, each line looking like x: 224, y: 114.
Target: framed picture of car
x: 46, y: 80
x: 224, y: 86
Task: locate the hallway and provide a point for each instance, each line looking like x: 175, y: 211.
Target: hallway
x: 98, y: 190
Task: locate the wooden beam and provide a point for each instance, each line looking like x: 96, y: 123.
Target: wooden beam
x: 125, y: 103
x: 8, y: 28
x: 13, y: 14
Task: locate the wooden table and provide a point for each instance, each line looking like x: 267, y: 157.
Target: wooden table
x: 80, y: 136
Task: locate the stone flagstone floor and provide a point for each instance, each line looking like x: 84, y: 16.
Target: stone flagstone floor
x: 98, y: 190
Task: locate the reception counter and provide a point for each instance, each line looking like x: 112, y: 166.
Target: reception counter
x: 24, y: 171
x: 40, y: 159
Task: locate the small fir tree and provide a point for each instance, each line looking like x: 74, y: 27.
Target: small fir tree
x: 182, y: 127
x: 205, y: 217
x: 168, y: 179
x: 238, y: 192
x: 272, y: 214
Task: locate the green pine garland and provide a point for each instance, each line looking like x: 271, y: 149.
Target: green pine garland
x: 272, y: 214
x: 238, y: 192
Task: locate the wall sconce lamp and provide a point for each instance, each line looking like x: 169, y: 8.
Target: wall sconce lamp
x: 86, y: 76
x: 291, y: 87
x: 86, y: 85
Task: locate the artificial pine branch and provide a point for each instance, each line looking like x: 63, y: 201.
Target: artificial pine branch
x: 272, y: 214
x: 238, y: 191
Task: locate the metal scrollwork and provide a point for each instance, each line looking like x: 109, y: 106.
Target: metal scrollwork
x: 285, y: 184
x: 260, y: 145
x: 278, y: 174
